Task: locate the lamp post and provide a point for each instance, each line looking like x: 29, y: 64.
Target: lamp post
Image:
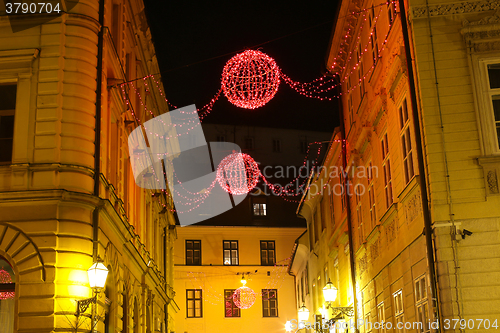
x: 97, y: 274
x: 330, y: 295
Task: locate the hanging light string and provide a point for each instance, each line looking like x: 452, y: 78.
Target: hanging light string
x: 318, y: 86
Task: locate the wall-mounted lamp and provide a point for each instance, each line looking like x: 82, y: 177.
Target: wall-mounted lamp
x: 97, y: 274
x: 330, y: 295
x: 303, y: 313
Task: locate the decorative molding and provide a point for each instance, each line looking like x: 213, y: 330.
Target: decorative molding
x: 492, y: 181
x: 413, y: 208
x: 482, y: 35
x: 391, y: 230
x: 454, y: 8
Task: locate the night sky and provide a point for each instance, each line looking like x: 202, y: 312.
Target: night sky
x: 195, y: 39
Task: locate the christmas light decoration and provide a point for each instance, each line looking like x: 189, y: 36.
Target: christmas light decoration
x: 5, y: 278
x: 250, y: 79
x: 244, y: 297
x: 238, y: 173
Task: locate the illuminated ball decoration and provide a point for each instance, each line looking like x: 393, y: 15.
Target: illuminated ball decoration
x: 250, y: 79
x: 238, y: 173
x: 5, y: 278
x: 244, y: 297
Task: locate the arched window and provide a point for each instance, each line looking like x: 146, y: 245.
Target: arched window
x: 109, y: 302
x: 136, y: 316
x: 125, y: 313
x: 7, y: 294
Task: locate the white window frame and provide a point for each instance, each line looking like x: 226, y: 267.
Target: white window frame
x: 486, y: 117
x: 399, y: 312
x: 381, y: 317
x: 422, y: 303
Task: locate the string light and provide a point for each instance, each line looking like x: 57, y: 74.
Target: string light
x: 244, y: 297
x: 238, y: 173
x: 5, y: 278
x: 250, y: 79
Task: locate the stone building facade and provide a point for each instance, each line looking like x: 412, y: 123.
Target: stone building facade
x: 452, y: 86
x: 67, y: 195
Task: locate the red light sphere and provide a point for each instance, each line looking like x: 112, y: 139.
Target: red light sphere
x: 250, y: 79
x: 5, y: 278
x: 244, y: 297
x: 238, y: 173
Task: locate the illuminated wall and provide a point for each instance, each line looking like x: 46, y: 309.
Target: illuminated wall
x: 212, y: 277
x: 47, y: 199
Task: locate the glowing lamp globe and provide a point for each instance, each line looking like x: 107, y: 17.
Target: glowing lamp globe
x: 330, y: 292
x: 244, y: 297
x: 250, y: 79
x: 5, y: 278
x: 238, y: 173
x: 97, y: 275
x: 303, y: 313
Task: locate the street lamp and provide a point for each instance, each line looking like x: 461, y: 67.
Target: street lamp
x: 303, y: 313
x: 330, y: 295
x: 288, y: 326
x: 97, y: 274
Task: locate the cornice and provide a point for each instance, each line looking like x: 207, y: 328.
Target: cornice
x: 462, y: 7
x: 482, y: 35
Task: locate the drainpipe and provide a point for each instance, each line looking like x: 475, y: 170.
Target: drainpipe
x: 97, y: 139
x: 421, y: 166
x: 348, y: 208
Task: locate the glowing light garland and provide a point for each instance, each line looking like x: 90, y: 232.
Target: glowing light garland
x: 250, y: 79
x: 244, y: 297
x: 238, y: 173
x: 5, y: 278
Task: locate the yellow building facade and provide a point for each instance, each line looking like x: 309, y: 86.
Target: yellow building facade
x: 448, y: 97
x: 210, y: 261
x: 67, y: 192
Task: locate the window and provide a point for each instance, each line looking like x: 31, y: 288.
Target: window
x: 344, y: 187
x: 361, y: 77
x: 269, y: 303
x: 259, y: 206
x: 494, y: 92
x: 374, y: 43
x: 194, y: 303
x: 193, y: 252
x: 7, y: 296
x: 386, y: 165
x: 368, y: 324
x: 399, y: 310
x: 231, y: 310
x: 326, y: 275
x: 371, y: 197
x: 422, y: 304
x: 391, y: 11
x: 276, y: 145
x: 7, y: 110
x: 302, y: 287
x: 267, y: 253
x: 259, y: 209
x: 406, y: 147
x: 230, y: 252
x: 359, y: 214
x: 306, y: 279
x: 249, y: 143
x: 381, y: 316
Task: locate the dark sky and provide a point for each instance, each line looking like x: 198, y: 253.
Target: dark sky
x: 194, y: 40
